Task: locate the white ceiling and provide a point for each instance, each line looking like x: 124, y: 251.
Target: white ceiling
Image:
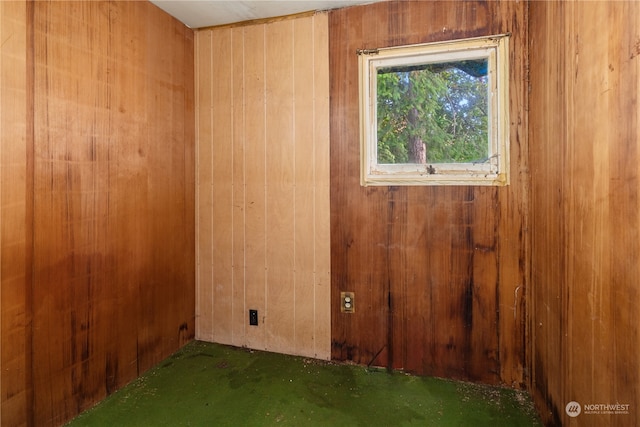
x: 207, y: 13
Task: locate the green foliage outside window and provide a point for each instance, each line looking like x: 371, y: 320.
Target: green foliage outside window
x: 434, y: 113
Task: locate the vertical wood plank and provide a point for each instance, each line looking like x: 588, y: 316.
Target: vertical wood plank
x: 548, y: 306
x: 624, y: 202
x: 222, y: 184
x: 585, y: 245
x: 240, y: 312
x: 322, y: 226
x: 484, y: 291
x: 304, y: 185
x: 514, y: 267
x: 204, y: 185
x: 15, y: 232
x: 280, y: 182
x: 255, y: 172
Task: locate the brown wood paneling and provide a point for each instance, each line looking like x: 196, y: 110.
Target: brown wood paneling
x: 15, y: 208
x: 222, y: 184
x: 255, y: 202
x: 303, y: 216
x: 204, y: 182
x: 239, y: 310
x: 263, y: 179
x: 280, y: 185
x: 585, y: 167
x: 321, y: 233
x: 439, y: 273
x: 113, y: 237
x: 548, y: 310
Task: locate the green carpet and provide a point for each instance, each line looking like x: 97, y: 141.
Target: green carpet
x: 207, y: 384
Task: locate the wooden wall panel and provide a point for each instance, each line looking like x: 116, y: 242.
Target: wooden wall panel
x: 439, y: 273
x: 15, y: 203
x: 280, y: 185
x: 585, y: 251
x: 239, y: 234
x: 263, y: 179
x: 254, y: 200
x: 204, y: 182
x: 222, y: 185
x: 113, y: 217
x: 320, y: 151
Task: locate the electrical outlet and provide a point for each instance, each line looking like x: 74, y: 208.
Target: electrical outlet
x: 253, y: 317
x: 347, y: 302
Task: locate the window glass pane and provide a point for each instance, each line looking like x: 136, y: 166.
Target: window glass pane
x: 433, y: 113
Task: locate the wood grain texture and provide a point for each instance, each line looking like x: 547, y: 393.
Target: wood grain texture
x: 439, y: 273
x: 113, y: 187
x: 204, y: 183
x: 280, y: 185
x: 263, y: 179
x: 585, y: 166
x: 15, y: 207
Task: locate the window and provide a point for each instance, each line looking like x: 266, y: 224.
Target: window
x: 436, y: 113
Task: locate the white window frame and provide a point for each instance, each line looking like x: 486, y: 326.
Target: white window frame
x: 494, y: 171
